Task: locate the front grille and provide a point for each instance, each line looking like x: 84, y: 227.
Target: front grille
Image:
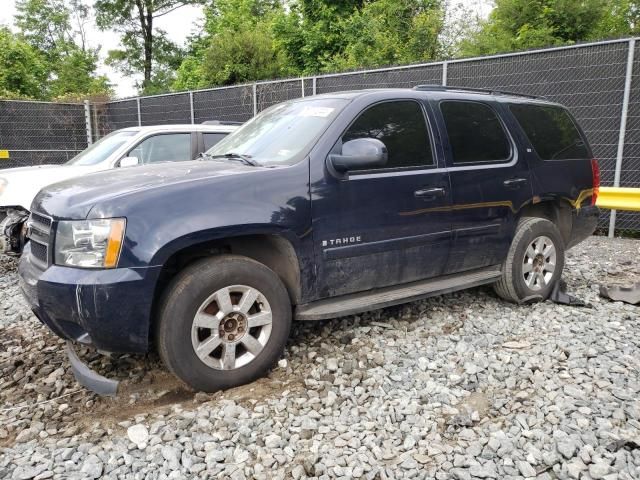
x: 40, y: 238
x: 41, y: 220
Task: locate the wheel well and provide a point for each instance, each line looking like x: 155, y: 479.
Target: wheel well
x: 556, y: 211
x: 274, y: 251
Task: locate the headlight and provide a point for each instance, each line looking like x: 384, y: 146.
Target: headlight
x: 3, y: 184
x: 89, y: 243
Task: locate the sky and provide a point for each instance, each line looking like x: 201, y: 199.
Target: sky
x: 178, y: 24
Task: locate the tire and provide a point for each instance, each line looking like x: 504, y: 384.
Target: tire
x: 192, y: 315
x: 535, y: 281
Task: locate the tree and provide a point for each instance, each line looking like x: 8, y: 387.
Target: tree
x: 146, y: 49
x: 22, y: 69
x: 45, y: 24
x: 521, y: 24
x: 312, y: 32
x: 237, y: 46
x: 241, y: 56
x: 621, y: 18
x: 386, y: 32
x: 323, y: 35
x: 58, y: 32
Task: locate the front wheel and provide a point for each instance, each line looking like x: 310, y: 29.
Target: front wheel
x: 224, y: 322
x: 534, y: 263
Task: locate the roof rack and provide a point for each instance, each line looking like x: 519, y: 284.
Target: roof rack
x: 442, y: 88
x: 220, y: 122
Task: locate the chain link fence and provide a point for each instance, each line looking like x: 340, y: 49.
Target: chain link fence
x: 36, y: 133
x: 598, y: 82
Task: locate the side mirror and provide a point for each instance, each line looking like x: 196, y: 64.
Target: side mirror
x: 360, y: 154
x: 129, y: 162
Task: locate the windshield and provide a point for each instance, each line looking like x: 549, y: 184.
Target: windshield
x: 282, y: 133
x: 104, y: 147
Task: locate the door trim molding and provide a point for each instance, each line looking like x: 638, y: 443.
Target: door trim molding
x: 380, y: 246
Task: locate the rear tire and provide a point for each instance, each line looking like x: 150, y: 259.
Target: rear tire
x: 223, y: 322
x: 534, y: 263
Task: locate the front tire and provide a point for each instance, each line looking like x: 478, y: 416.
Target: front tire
x: 534, y: 263
x: 223, y: 322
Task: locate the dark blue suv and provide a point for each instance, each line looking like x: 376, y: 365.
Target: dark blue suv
x: 317, y: 208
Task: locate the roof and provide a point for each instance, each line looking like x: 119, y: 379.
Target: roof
x: 184, y: 127
x: 438, y: 92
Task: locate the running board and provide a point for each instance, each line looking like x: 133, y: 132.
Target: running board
x: 384, y: 297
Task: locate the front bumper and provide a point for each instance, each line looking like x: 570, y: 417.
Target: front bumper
x: 109, y: 309
x: 584, y: 223
x: 88, y: 378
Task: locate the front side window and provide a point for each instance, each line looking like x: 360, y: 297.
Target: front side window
x: 401, y: 126
x: 475, y: 132
x: 170, y: 147
x: 551, y: 131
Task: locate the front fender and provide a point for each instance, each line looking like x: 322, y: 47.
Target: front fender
x: 229, y: 232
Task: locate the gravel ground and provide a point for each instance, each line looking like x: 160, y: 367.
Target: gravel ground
x: 460, y: 386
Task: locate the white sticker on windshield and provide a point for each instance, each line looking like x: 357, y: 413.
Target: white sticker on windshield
x: 316, y: 111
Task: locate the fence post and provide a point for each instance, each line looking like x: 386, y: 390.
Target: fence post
x: 444, y: 73
x: 314, y: 84
x: 139, y: 115
x: 193, y: 116
x: 255, y: 99
x: 96, y: 125
x: 302, y: 82
x: 623, y: 128
x: 87, y: 121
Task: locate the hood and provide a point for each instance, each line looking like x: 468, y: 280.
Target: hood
x: 74, y: 198
x: 19, y: 186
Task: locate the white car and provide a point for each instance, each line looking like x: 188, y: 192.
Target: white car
x: 123, y: 148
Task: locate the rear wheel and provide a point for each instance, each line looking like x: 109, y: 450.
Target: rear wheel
x: 534, y: 262
x: 224, y: 322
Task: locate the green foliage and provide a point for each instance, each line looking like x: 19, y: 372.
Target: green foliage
x: 237, y: 46
x: 522, y: 24
x: 387, y: 32
x: 75, y: 74
x: 621, y: 18
x: 55, y: 29
x: 22, y: 69
x: 240, y: 56
x: 313, y: 33
x: 145, y: 49
x: 246, y: 40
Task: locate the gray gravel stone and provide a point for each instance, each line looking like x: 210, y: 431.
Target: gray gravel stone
x: 460, y: 386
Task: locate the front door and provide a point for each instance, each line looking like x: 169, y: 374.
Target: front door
x: 386, y: 226
x: 490, y: 181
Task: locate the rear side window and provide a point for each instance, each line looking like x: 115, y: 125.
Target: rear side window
x: 401, y: 126
x: 475, y: 132
x: 551, y: 131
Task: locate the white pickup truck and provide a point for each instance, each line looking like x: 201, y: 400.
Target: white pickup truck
x: 121, y: 148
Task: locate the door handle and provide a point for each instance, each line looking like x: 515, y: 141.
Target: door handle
x: 514, y: 183
x: 430, y: 193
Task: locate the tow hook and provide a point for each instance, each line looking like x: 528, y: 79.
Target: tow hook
x: 88, y: 378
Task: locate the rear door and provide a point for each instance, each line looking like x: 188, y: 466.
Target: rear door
x: 490, y: 181
x: 387, y: 226
x: 558, y: 153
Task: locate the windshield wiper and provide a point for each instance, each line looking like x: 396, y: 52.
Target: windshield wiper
x: 246, y: 159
